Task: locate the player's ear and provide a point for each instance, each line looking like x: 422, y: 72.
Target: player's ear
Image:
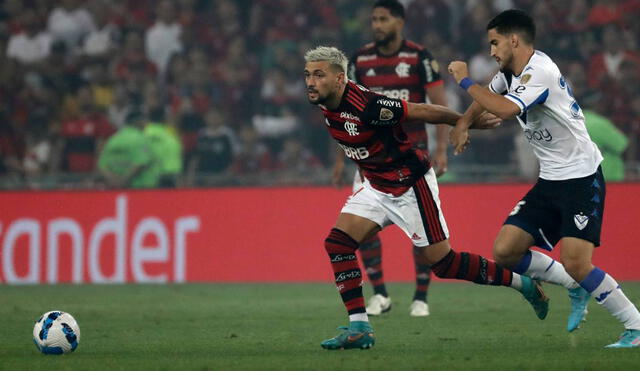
x: 515, y: 40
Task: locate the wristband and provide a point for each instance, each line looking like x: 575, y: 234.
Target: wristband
x: 466, y: 83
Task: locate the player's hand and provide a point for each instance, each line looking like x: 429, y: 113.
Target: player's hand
x: 459, y: 70
x: 486, y: 120
x: 440, y: 161
x: 337, y: 174
x: 459, y: 138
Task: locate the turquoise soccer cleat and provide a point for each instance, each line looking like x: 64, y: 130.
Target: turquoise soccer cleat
x: 532, y: 291
x: 579, y: 298
x: 359, y: 335
x: 628, y: 339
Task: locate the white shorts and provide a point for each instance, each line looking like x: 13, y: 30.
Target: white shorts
x: 417, y: 212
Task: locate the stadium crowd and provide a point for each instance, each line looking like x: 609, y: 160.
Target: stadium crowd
x: 224, y: 79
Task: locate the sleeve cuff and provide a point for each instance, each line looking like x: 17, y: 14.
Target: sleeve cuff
x: 518, y: 101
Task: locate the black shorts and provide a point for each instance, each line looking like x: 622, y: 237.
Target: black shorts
x: 554, y: 209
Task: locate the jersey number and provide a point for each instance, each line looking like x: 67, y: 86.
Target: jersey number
x: 517, y: 208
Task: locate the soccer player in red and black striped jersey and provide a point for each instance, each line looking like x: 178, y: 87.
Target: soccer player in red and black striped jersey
x: 397, y: 68
x: 399, y: 188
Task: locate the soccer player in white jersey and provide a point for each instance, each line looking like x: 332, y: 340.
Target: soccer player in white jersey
x: 567, y: 202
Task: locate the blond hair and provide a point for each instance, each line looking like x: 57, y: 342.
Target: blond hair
x: 330, y: 54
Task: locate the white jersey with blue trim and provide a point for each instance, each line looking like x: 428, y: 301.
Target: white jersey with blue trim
x: 551, y: 119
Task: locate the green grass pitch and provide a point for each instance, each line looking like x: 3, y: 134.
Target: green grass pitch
x: 280, y: 326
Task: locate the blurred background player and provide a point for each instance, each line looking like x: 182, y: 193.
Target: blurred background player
x: 397, y: 68
x: 567, y: 202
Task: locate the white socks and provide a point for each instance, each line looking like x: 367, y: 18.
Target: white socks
x: 606, y: 291
x: 542, y: 267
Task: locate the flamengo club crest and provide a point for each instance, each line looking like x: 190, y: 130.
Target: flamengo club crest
x: 351, y: 128
x: 402, y: 69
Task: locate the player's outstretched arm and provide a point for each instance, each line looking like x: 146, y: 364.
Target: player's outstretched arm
x: 494, y: 103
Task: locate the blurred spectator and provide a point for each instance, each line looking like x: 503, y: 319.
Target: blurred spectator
x: 604, y: 12
x: 298, y: 160
x: 37, y: 159
x: 119, y: 109
x: 605, y: 65
x: 163, y: 38
x: 276, y: 119
x: 31, y: 45
x: 99, y: 80
x: 70, y: 22
x: 254, y: 156
x: 127, y: 160
x: 215, y: 149
x: 82, y: 133
x: 166, y: 147
x: 103, y: 39
x: 132, y: 63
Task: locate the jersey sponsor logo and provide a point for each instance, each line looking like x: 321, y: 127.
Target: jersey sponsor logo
x: 525, y: 79
x: 538, y: 135
x: 370, y: 72
x: 581, y: 221
x: 402, y: 69
x: 351, y: 128
x: 389, y: 103
x: 385, y: 114
x: 359, y: 153
x: 349, y: 116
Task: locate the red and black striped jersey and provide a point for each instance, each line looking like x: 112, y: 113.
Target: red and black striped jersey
x: 407, y: 75
x: 383, y: 153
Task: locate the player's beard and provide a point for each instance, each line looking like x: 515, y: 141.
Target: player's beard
x: 506, y: 62
x: 319, y: 100
x: 384, y: 41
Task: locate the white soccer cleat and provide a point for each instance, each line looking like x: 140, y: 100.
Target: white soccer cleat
x: 378, y: 304
x: 419, y: 308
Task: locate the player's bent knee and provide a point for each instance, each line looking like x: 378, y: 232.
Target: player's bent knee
x: 503, y: 254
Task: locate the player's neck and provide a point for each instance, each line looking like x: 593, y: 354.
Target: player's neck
x: 392, y: 47
x: 333, y: 103
x: 521, y: 60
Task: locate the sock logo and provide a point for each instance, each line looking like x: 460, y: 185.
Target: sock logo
x: 343, y: 276
x: 581, y: 221
x: 600, y: 298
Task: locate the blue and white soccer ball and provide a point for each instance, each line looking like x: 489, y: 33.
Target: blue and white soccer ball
x: 56, y: 332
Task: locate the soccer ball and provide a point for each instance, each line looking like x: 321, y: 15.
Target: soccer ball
x: 56, y: 332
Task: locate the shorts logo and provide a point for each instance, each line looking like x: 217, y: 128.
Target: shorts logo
x: 581, y: 221
x: 415, y: 237
x: 386, y: 114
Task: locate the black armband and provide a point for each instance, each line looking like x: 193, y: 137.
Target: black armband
x: 383, y: 111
